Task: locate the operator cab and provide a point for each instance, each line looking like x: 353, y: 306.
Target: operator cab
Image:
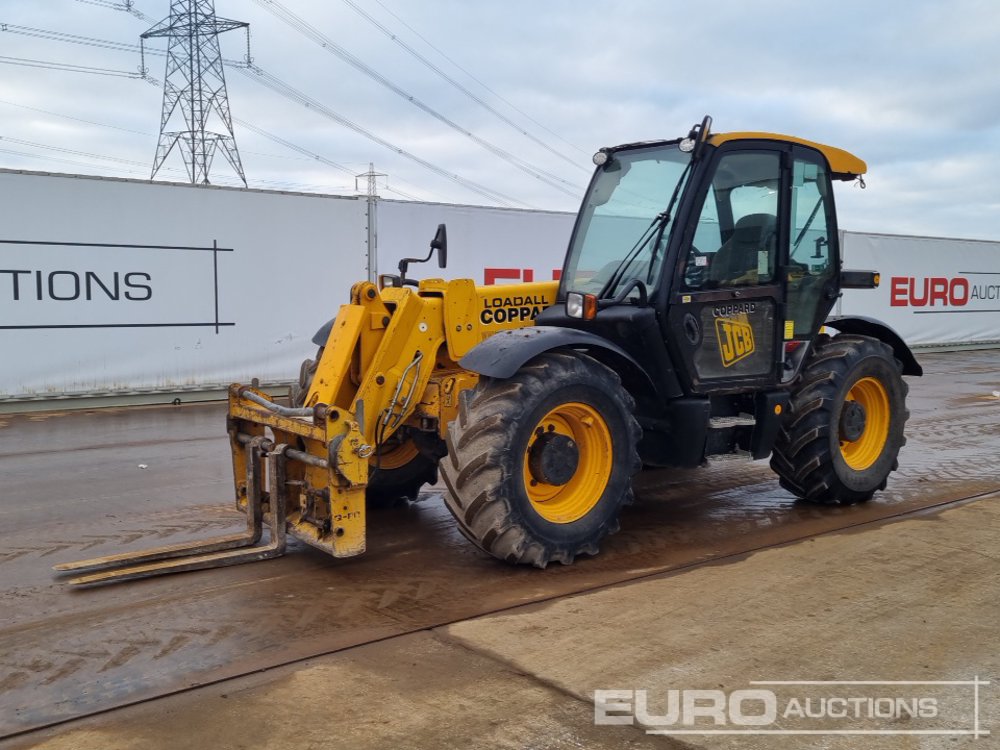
x: 729, y: 242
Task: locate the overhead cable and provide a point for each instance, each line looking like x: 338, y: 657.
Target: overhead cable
x: 314, y: 34
x: 51, y: 65
x: 470, y: 75
x: 311, y: 154
x: 284, y: 89
x: 479, y: 100
x: 258, y: 74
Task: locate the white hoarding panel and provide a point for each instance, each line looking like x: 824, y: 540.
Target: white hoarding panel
x: 110, y: 286
x: 933, y: 290
x: 487, y: 245
x: 113, y: 285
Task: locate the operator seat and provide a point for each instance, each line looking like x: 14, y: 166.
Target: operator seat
x: 736, y: 262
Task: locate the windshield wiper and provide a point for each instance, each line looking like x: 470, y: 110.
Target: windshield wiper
x: 648, y: 233
x: 655, y: 229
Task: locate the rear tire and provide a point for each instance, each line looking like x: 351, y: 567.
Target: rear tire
x: 403, y: 469
x: 540, y: 465
x: 844, y: 428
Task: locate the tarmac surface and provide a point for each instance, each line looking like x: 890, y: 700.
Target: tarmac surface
x: 73, y: 488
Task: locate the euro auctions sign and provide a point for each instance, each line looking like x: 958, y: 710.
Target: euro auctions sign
x: 858, y: 708
x: 941, y: 291
x: 934, y: 291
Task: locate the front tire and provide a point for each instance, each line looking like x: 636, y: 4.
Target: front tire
x: 843, y: 432
x: 540, y: 465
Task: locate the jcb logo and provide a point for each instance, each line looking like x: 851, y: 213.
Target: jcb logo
x: 735, y: 338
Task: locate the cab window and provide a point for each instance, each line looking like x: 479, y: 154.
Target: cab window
x: 735, y: 240
x: 811, y: 260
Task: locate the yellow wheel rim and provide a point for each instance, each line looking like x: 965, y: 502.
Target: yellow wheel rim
x: 589, y: 432
x: 397, y: 455
x: 871, y: 396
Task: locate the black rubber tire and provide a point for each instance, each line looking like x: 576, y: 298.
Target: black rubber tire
x: 807, y: 456
x: 385, y: 486
x: 483, y: 471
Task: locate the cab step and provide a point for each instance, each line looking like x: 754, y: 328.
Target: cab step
x: 724, y: 423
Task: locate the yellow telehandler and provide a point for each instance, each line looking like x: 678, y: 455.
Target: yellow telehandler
x: 690, y: 320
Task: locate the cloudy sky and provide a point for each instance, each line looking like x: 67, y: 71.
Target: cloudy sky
x: 910, y: 86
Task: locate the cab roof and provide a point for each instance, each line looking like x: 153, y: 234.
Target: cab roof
x: 843, y: 164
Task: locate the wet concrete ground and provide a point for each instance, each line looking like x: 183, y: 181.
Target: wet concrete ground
x: 72, y: 488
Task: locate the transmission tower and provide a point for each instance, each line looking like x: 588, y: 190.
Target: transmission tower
x: 372, y: 176
x: 195, y: 80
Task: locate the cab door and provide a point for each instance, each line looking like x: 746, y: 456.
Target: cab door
x: 727, y: 299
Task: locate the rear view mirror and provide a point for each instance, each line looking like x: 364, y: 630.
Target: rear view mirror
x: 440, y: 243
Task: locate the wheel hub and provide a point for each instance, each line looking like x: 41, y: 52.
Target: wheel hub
x: 852, y: 421
x: 553, y: 459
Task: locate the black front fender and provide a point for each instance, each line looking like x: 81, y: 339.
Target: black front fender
x: 876, y: 329
x: 503, y: 353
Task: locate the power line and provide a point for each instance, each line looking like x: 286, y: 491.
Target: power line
x: 70, y: 117
x: 280, y: 87
x: 470, y: 75
x: 50, y: 65
x: 311, y: 154
x: 479, y: 100
x: 258, y: 74
x: 126, y: 5
x: 87, y: 41
x: 60, y: 36
x: 146, y: 132
x: 314, y: 34
x: 44, y: 157
x: 141, y: 168
x: 70, y: 151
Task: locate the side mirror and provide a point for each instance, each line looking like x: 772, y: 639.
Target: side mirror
x: 440, y: 243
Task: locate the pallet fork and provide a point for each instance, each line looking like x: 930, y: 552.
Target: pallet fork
x: 261, y: 507
x: 289, y: 490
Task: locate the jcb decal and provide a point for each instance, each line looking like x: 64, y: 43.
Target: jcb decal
x: 735, y: 338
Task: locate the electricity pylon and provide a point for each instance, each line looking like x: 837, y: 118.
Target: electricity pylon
x: 195, y: 80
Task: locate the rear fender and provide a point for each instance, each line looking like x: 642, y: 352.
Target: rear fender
x: 870, y: 327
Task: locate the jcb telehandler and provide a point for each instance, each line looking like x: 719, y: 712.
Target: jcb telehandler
x: 690, y: 320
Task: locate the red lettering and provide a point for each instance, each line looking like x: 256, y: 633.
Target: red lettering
x: 918, y: 301
x: 939, y: 291
x: 490, y: 275
x: 556, y: 274
x: 898, y: 289
x: 903, y: 291
x: 963, y: 285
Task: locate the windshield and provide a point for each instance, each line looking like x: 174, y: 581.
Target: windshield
x: 618, y: 238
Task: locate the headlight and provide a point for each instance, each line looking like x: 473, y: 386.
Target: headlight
x: 582, y: 306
